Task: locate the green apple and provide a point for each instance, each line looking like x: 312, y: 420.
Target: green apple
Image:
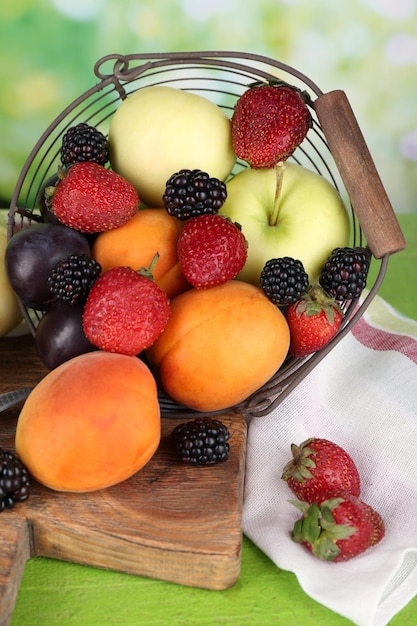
x: 10, y: 312
x: 286, y: 211
x: 159, y: 130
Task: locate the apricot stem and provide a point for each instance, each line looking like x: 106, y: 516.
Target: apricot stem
x: 279, y: 170
x: 147, y: 272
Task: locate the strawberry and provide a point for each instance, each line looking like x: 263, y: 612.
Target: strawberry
x: 211, y: 250
x: 125, y: 311
x: 313, y: 321
x: 269, y: 122
x: 319, y: 465
x: 337, y: 528
x: 90, y: 198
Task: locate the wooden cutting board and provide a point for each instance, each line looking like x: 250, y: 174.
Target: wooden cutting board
x: 170, y: 521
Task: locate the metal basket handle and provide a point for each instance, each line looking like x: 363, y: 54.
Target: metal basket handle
x: 360, y: 177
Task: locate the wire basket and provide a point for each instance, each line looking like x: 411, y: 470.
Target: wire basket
x: 334, y: 148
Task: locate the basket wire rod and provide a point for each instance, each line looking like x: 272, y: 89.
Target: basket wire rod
x: 310, y: 159
x: 80, y: 112
x: 317, y: 152
x: 207, y: 78
x: 216, y: 57
x: 246, y: 71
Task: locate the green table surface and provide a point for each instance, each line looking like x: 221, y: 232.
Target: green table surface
x: 54, y: 592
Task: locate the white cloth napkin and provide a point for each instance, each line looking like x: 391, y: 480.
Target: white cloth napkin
x: 363, y: 396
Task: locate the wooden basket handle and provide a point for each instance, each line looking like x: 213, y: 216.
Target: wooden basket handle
x: 360, y: 177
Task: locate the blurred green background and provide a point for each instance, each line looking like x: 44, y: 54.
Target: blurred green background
x: 368, y: 48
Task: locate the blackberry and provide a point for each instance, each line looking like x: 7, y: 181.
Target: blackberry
x: 72, y: 278
x: 190, y: 193
x: 14, y: 480
x: 284, y: 280
x: 84, y: 143
x: 345, y: 273
x: 202, y: 441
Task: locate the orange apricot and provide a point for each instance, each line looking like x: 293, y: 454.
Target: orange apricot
x: 135, y: 244
x: 90, y: 423
x: 220, y: 345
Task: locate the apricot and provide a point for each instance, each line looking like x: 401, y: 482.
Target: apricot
x: 148, y: 232
x: 220, y: 345
x: 92, y: 422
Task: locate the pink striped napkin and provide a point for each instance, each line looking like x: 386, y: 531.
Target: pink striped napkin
x: 363, y: 396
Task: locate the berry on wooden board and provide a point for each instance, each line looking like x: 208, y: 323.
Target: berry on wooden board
x: 14, y: 480
x: 203, y: 441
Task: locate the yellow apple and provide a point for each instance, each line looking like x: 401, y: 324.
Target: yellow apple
x: 159, y: 130
x: 10, y: 312
x: 308, y: 220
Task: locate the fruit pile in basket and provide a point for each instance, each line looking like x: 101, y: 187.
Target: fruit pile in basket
x: 150, y: 247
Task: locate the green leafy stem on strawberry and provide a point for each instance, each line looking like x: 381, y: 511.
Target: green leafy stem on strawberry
x: 280, y: 82
x: 318, y: 529
x: 337, y: 527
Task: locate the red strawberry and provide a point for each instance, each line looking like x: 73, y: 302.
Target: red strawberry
x: 125, y: 311
x: 313, y: 321
x: 269, y: 122
x: 337, y: 528
x: 211, y: 250
x: 90, y: 198
x: 319, y: 465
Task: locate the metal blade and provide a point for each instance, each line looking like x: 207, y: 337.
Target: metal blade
x: 11, y: 398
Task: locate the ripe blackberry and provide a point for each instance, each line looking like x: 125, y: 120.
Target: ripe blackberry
x: 84, y: 143
x: 345, y: 273
x: 190, y: 193
x: 284, y: 280
x: 72, y: 278
x: 202, y: 441
x: 14, y: 480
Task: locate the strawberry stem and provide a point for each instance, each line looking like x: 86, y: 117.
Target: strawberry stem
x: 279, y: 170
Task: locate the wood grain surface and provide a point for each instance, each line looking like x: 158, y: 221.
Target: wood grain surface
x: 356, y: 166
x: 170, y: 521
